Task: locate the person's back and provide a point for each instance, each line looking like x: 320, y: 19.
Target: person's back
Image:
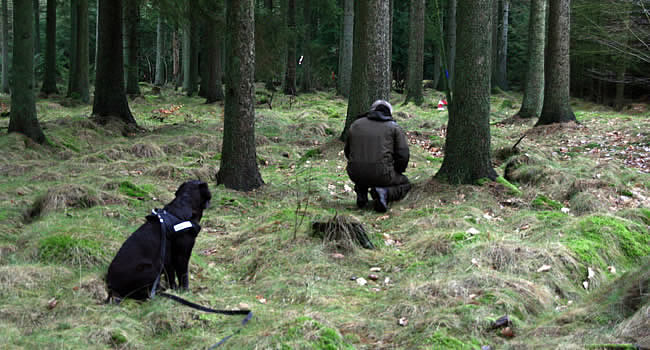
x: 378, y: 154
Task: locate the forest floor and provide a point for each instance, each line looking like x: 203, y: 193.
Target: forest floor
x: 563, y: 253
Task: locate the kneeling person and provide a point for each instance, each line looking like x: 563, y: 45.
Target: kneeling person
x: 378, y: 154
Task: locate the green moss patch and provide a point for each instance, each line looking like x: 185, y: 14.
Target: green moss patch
x: 603, y: 240
x: 543, y: 202
x: 65, y: 249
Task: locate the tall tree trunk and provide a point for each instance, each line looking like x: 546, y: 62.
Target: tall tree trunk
x: 450, y: 33
x: 79, y: 81
x: 238, y: 169
x: 23, y: 106
x: 371, y: 58
x: 531, y: 106
x: 176, y: 60
x: 308, y: 36
x: 290, y: 74
x: 219, y: 66
x: 203, y: 59
x: 5, y: 47
x: 619, y: 102
x: 74, y: 36
x: 415, y: 52
x: 96, y: 34
x: 502, y: 49
x: 131, y: 20
x: 557, y: 107
x: 49, y: 78
x: 345, y: 55
x: 187, y: 38
x: 37, y: 27
x: 210, y: 61
x: 467, y: 146
x: 159, y: 56
x: 110, y: 97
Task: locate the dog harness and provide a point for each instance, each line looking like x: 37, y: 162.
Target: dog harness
x: 169, y: 225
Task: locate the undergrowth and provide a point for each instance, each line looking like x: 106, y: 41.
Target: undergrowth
x: 568, y: 208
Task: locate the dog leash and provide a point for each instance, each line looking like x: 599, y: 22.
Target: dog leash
x: 154, y: 287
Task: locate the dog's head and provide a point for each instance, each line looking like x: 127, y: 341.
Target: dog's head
x: 192, y: 197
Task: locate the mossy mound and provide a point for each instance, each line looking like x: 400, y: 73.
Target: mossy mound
x: 69, y: 196
x: 68, y: 250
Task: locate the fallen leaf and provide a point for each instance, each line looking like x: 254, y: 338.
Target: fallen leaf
x: 611, y: 269
x: 338, y: 256
x: 544, y: 268
x: 507, y: 332
x: 472, y: 231
x: 244, y: 306
x: 373, y: 277
x: 361, y: 281
x: 261, y: 299
x: 403, y: 321
x: 585, y: 284
x: 52, y: 303
x: 375, y: 269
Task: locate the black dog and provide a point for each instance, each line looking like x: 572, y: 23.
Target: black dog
x: 168, y: 236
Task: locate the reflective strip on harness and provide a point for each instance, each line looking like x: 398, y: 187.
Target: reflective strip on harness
x: 183, y: 225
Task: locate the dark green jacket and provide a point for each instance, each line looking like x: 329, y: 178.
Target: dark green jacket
x: 376, y: 149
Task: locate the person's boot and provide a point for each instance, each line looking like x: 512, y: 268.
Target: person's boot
x: 380, y: 198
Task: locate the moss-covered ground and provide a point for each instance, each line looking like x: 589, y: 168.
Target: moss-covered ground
x: 559, y: 244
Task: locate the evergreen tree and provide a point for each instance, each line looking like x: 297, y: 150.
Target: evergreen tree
x: 238, y: 169
x: 49, y: 78
x: 78, y: 83
x: 416, y: 52
x: 23, y: 106
x: 290, y: 73
x: 556, y: 107
x: 346, y: 48
x: 467, y: 146
x: 110, y: 96
x: 132, y: 18
x: 531, y: 106
x: 5, y: 47
x: 159, y: 80
x: 371, y: 58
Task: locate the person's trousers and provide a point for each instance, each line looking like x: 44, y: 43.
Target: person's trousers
x: 397, y: 189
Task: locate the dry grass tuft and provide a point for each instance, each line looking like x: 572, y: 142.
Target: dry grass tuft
x: 61, y: 198
x: 147, y: 150
x: 344, y: 231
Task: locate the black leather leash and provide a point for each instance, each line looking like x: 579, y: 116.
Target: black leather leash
x: 152, y: 294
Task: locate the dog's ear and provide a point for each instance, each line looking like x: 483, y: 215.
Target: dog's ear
x: 205, y: 194
x: 178, y: 191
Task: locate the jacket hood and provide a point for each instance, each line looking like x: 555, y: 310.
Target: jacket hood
x: 379, y: 116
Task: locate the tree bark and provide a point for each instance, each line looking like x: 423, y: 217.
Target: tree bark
x: 531, y: 105
x: 80, y: 80
x: 5, y: 47
x: 159, y: 81
x: 290, y: 74
x: 110, y: 97
x: 74, y: 31
x: 238, y: 169
x: 23, y: 106
x: 467, y: 146
x: 345, y: 55
x: 210, y: 61
x: 49, y: 77
x: 502, y: 49
x: 450, y: 33
x: 131, y: 19
x: 415, y: 52
x: 37, y: 28
x: 307, y: 51
x: 187, y: 57
x: 371, y: 58
x: 557, y: 107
